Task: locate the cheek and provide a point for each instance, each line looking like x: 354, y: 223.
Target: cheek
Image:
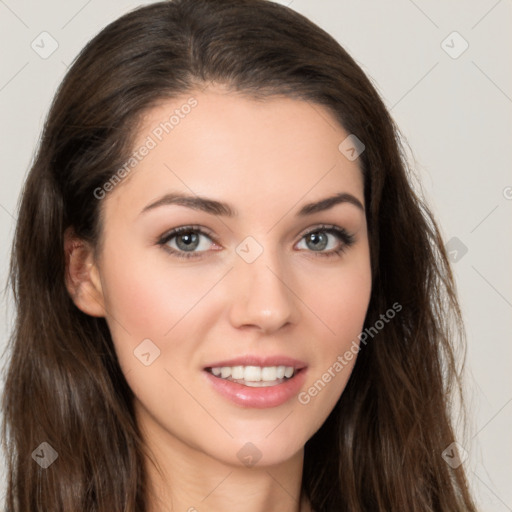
x: 340, y: 301
x: 147, y: 294
x: 148, y: 297
x: 343, y: 304
x: 340, y: 297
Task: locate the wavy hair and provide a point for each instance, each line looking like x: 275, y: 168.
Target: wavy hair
x: 381, y: 447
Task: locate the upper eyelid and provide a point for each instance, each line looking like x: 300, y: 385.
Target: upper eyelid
x: 171, y: 233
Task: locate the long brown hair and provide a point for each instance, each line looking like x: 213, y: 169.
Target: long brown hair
x: 381, y: 447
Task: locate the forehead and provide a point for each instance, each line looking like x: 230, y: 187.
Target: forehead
x: 223, y: 144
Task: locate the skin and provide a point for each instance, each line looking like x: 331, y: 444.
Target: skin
x: 266, y: 159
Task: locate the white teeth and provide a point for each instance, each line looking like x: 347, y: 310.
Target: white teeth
x: 254, y: 374
x: 280, y: 371
x: 288, y: 372
x: 268, y: 373
x: 237, y: 372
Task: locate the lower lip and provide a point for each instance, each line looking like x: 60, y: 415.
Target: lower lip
x: 258, y: 398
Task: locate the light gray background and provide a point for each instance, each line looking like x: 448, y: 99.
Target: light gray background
x: 455, y: 114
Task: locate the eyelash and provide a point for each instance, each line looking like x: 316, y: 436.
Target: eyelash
x: 347, y: 240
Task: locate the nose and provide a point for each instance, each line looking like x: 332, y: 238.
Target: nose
x: 262, y: 298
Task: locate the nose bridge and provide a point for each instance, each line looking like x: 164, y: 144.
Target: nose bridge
x: 262, y: 296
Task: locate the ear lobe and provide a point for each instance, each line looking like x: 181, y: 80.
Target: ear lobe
x: 82, y: 277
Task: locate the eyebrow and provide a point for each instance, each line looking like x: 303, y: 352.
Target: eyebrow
x: 214, y: 207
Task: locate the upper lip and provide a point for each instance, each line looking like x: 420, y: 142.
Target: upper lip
x: 254, y: 360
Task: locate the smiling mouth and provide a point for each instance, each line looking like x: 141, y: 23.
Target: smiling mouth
x: 255, y: 376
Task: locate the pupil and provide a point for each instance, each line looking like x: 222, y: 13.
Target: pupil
x: 319, y: 240
x: 188, y: 240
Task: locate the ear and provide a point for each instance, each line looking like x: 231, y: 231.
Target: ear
x: 82, y: 275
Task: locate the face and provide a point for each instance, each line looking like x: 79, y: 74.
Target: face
x: 221, y: 256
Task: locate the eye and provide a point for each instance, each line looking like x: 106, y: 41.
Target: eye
x: 186, y: 241
x: 333, y: 238
x: 192, y: 241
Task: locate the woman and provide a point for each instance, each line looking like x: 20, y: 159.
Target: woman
x: 228, y: 294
